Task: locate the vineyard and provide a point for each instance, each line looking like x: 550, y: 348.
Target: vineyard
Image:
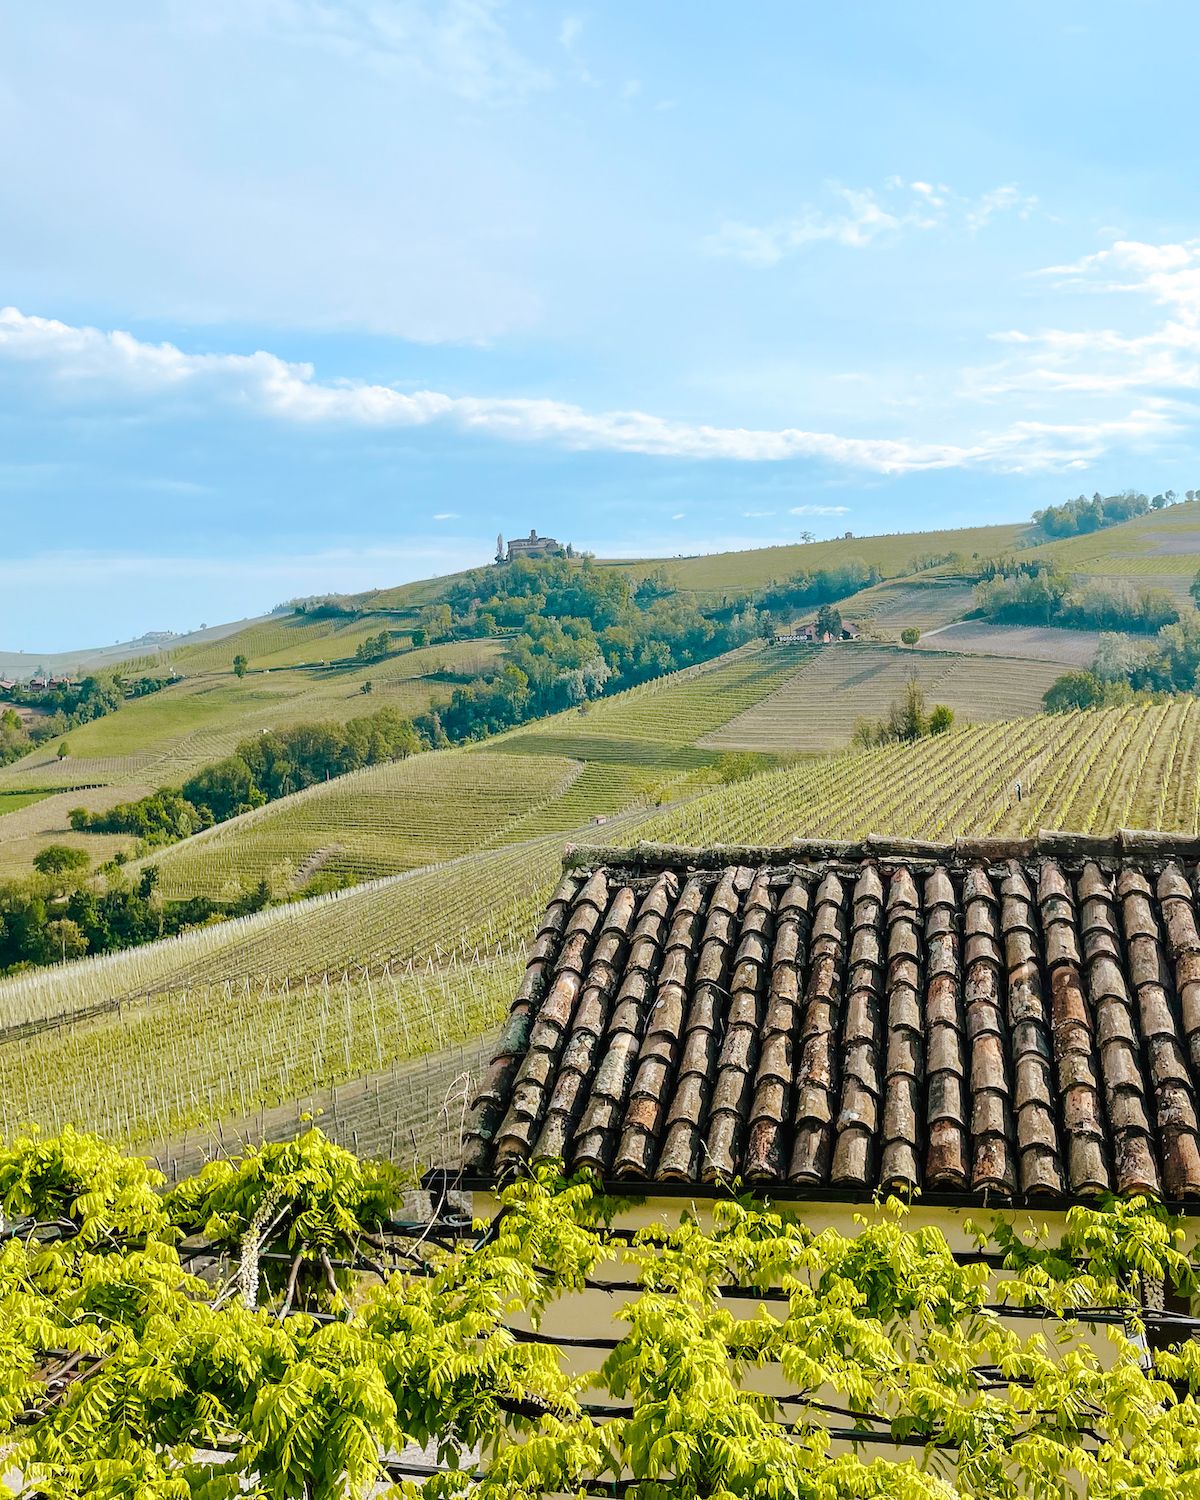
x: 925, y: 603
x: 163, y: 1066
x: 817, y: 706
x: 893, y: 555
x: 552, y: 776
x: 304, y: 977
x: 377, y: 821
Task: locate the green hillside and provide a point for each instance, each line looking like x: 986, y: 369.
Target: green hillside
x: 161, y: 739
x: 319, y: 992
x: 650, y: 744
x: 895, y: 556
x: 1159, y: 550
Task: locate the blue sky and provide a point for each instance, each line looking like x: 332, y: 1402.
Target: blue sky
x: 321, y: 294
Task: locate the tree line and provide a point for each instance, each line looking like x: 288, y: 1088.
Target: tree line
x: 263, y: 768
x: 55, y: 914
x: 1035, y: 593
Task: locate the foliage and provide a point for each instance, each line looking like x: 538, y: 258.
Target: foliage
x: 53, y: 915
x: 374, y: 648
x: 1077, y: 517
x: 59, y: 859
x: 269, y: 766
x: 829, y: 622
x: 910, y: 635
x: 239, y: 665
x: 1039, y: 596
x: 1076, y: 690
x: 578, y: 632
x: 125, y: 1377
x: 822, y: 586
x: 907, y: 720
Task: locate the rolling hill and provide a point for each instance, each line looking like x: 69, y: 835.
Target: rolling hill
x: 306, y: 997
x: 386, y: 991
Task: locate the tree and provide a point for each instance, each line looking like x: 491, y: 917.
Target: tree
x: 60, y: 859
x: 908, y: 718
x: 910, y: 635
x: 367, y: 686
x: 66, y: 939
x: 941, y: 718
x: 239, y: 665
x: 1073, y: 690
x: 829, y: 622
x: 63, y: 750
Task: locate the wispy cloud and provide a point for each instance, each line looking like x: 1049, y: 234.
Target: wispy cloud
x: 462, y: 46
x: 106, y: 371
x: 819, y: 510
x: 1162, y: 361
x: 858, y: 217
x: 446, y: 515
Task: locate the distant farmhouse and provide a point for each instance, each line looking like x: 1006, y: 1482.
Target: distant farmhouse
x: 807, y: 635
x: 530, y: 546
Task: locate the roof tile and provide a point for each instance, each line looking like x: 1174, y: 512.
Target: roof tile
x: 999, y: 1019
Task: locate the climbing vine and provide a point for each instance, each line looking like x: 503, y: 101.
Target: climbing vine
x: 276, y: 1327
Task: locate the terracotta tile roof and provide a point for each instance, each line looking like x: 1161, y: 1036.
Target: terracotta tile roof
x: 993, y: 1019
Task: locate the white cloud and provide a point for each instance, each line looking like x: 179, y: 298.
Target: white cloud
x: 1163, y: 361
x: 819, y: 510
x: 757, y: 515
x: 114, y: 371
x: 867, y: 216
x: 569, y: 32
x: 446, y: 515
x: 678, y: 516
x: 1001, y: 200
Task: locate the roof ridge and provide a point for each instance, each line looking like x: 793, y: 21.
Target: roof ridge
x: 1125, y: 844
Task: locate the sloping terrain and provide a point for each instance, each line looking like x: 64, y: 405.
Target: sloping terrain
x: 1069, y: 648
x: 1158, y: 550
x: 816, y: 707
x: 299, y: 998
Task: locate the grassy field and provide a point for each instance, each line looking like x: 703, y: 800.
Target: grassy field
x: 229, y: 1019
x: 816, y: 706
x: 161, y: 739
x: 893, y: 555
x: 1158, y: 550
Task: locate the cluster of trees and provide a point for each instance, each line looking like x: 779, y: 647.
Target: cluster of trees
x: 64, y: 707
x: 1170, y: 663
x: 577, y: 631
x: 1080, y: 516
x: 374, y: 648
x: 825, y: 585
x: 1038, y: 595
x: 269, y: 1328
x: 909, y: 718
x: 265, y: 767
x: 55, y: 915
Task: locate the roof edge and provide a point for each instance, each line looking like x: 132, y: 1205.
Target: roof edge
x: 1126, y: 844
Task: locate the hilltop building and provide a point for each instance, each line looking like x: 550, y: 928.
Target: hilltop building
x: 529, y: 546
